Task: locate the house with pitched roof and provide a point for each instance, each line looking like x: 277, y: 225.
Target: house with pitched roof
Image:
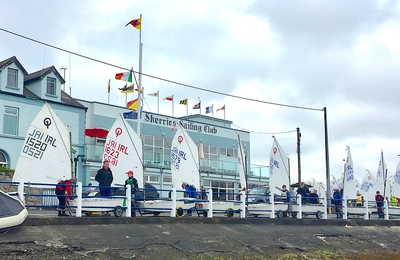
x: 22, y: 96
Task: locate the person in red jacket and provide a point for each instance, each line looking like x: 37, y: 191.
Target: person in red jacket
x: 63, y: 190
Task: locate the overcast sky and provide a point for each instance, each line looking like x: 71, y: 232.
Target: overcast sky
x: 342, y: 55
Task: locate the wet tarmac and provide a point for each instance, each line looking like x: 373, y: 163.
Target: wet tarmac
x: 45, y: 236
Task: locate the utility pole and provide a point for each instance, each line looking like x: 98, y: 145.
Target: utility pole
x: 64, y: 69
x: 298, y: 155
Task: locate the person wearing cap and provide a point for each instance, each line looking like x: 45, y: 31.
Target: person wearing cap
x: 131, y: 181
x: 105, y: 177
x: 379, y: 204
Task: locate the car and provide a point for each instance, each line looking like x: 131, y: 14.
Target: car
x: 259, y: 194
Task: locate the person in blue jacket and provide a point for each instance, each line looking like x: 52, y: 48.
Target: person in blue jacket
x: 191, y: 193
x: 337, y: 200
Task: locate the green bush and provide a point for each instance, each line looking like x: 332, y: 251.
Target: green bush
x: 5, y: 169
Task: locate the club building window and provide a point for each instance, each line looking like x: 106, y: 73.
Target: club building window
x: 3, y: 159
x: 10, y: 121
x: 12, y: 78
x: 51, y: 86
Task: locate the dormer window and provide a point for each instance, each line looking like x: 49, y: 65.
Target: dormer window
x: 12, y: 78
x: 51, y: 86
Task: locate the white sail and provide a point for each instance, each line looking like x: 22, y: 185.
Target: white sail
x: 396, y: 183
x: 368, y: 186
x: 184, y: 160
x: 242, y: 165
x: 349, y: 189
x: 334, y: 184
x: 381, y: 176
x: 319, y: 188
x: 123, y: 149
x: 45, y: 155
x: 278, y: 169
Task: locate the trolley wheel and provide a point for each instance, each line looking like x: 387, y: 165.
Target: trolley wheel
x: 156, y: 213
x: 294, y: 215
x: 118, y: 211
x: 179, y: 211
x: 230, y: 213
x: 279, y: 214
x: 318, y: 214
x: 88, y: 214
x: 205, y: 214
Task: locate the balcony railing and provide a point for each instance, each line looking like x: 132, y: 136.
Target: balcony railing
x: 226, y: 166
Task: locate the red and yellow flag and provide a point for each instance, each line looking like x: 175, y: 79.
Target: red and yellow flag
x: 137, y: 23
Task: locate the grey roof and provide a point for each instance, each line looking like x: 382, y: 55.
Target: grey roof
x: 39, y: 75
x: 13, y: 59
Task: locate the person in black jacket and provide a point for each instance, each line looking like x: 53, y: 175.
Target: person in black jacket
x: 105, y: 177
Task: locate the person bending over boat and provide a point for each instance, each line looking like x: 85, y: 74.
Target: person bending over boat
x: 63, y: 190
x: 105, y: 177
x: 191, y: 193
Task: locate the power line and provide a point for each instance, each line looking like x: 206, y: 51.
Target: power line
x: 158, y: 78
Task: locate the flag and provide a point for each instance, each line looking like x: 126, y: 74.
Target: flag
x: 209, y: 109
x: 197, y: 106
x: 174, y: 126
x: 137, y: 23
x: 222, y: 108
x: 153, y: 94
x: 141, y: 89
x: 109, y: 86
x: 125, y: 76
x: 169, y: 98
x: 127, y: 89
x: 183, y: 102
x: 133, y: 104
x: 130, y: 115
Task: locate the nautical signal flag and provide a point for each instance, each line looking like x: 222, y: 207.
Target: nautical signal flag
x: 127, y: 89
x: 141, y: 89
x: 183, y: 102
x: 169, y: 98
x: 137, y: 23
x: 130, y: 115
x: 222, y: 108
x: 197, y: 106
x: 133, y: 104
x: 209, y: 109
x: 109, y: 86
x: 125, y: 76
x: 153, y: 94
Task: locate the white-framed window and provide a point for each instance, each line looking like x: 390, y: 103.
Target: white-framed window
x: 12, y: 77
x: 10, y: 121
x: 3, y: 159
x: 51, y: 86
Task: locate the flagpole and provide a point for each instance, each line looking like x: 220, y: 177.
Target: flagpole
x: 199, y: 105
x: 107, y: 89
x: 140, y: 77
x: 158, y: 102
x: 172, y: 105
x: 187, y: 108
x: 224, y: 115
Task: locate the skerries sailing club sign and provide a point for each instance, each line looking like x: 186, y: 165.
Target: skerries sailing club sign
x: 165, y: 121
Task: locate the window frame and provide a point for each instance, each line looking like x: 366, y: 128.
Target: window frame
x: 8, y: 115
x: 51, y: 86
x: 9, y: 75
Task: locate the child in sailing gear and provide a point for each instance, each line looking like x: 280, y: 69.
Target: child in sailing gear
x: 64, y: 189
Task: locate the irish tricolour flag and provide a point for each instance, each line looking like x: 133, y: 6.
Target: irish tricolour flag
x: 125, y: 76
